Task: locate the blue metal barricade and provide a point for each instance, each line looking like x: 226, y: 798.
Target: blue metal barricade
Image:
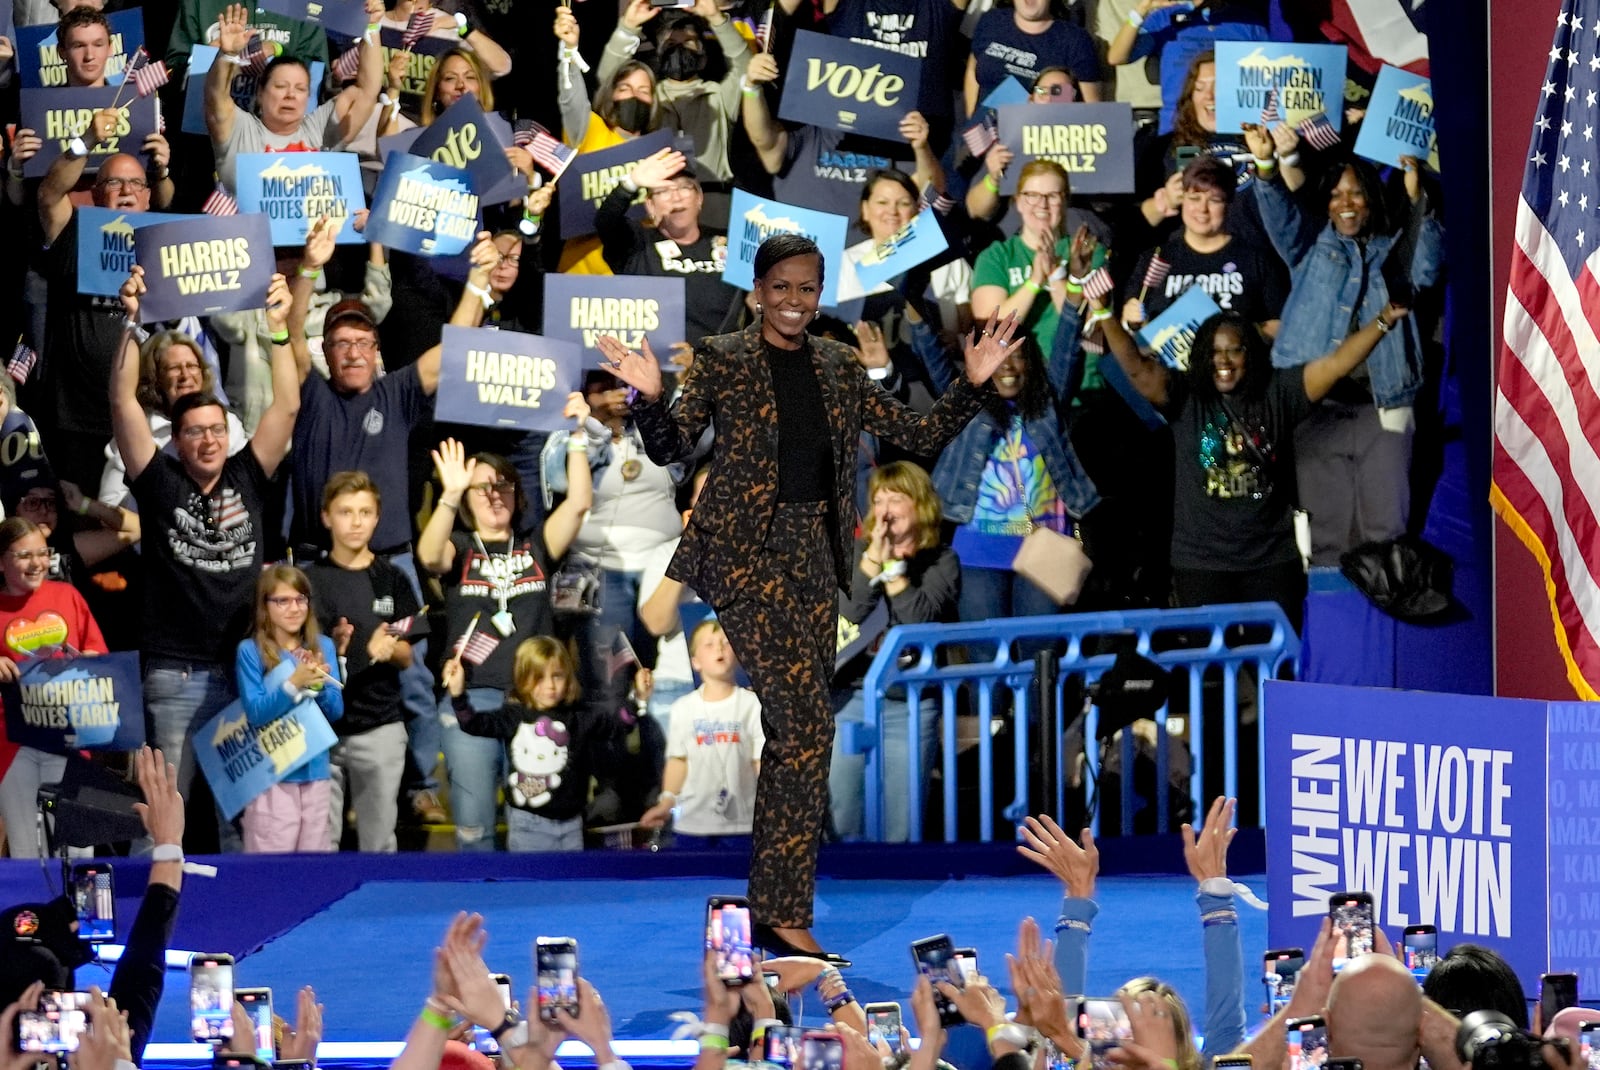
x: 919, y: 659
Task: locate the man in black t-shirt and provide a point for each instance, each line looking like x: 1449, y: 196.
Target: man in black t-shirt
x: 203, y: 538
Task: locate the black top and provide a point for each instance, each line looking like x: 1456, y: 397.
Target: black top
x: 366, y: 597
x: 550, y: 754
x: 805, y: 458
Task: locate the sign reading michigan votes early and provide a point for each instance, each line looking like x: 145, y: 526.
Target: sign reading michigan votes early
x: 59, y: 115
x: 242, y: 760
x: 105, y: 246
x: 1092, y: 142
x: 204, y: 265
x: 423, y: 207
x: 57, y: 705
x: 506, y: 379
x: 295, y: 189
x: 39, y: 62
x: 1309, y: 80
x: 630, y: 308
x: 840, y: 85
x: 1399, y: 120
x: 752, y: 220
x: 593, y: 175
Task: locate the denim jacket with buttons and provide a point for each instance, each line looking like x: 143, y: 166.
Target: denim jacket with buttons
x: 1326, y: 273
x: 960, y: 466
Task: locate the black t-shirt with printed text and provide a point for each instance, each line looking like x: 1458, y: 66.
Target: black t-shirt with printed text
x: 366, y: 597
x: 517, y: 570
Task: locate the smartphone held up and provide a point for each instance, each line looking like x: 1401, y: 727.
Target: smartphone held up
x: 728, y: 937
x: 556, y: 964
x: 211, y: 998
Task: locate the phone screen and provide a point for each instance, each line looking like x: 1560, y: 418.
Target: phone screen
x: 56, y: 1026
x: 1421, y: 943
x: 728, y: 934
x: 883, y: 1023
x: 935, y: 957
x: 1308, y: 1043
x: 1557, y: 992
x: 964, y: 964
x: 94, y: 898
x: 1352, y: 926
x: 1103, y: 1024
x: 1280, y: 970
x: 557, y: 964
x: 211, y: 998
x: 783, y: 1044
x: 822, y: 1051
x: 1589, y: 1044
x: 257, y: 1004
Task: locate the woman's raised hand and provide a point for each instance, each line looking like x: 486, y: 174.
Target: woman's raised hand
x: 640, y: 371
x: 450, y: 461
x: 984, y: 351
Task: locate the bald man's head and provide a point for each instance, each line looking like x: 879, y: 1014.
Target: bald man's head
x: 1373, y: 1012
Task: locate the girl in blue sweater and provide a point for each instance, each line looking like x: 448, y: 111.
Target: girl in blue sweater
x: 285, y: 663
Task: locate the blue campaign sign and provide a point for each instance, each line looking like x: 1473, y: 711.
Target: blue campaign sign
x: 591, y: 177
x: 752, y: 220
x: 1092, y: 142
x: 423, y: 207
x: 89, y: 702
x: 1309, y: 80
x: 59, y: 115
x: 1170, y: 334
x: 105, y: 246
x: 1572, y: 796
x: 241, y: 760
x: 1433, y: 803
x: 631, y: 308
x: 915, y: 243
x: 840, y: 85
x: 420, y: 59
x: 1399, y: 120
x: 347, y: 18
x: 462, y: 137
x: 294, y: 189
x: 204, y: 265
x: 243, y: 88
x: 39, y: 63
x: 506, y: 379
x: 1009, y: 91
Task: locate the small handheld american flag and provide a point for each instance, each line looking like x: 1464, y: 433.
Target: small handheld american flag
x: 1270, y: 116
x: 548, y: 151
x: 941, y: 203
x: 258, y: 53
x: 1319, y: 132
x: 475, y: 649
x: 402, y: 627
x: 980, y: 136
x: 522, y: 133
x: 764, y: 31
x: 22, y: 362
x: 148, y: 74
x: 418, y: 26
x: 1154, y: 275
x: 348, y: 64
x: 621, y: 656
x: 1098, y: 284
x: 220, y: 203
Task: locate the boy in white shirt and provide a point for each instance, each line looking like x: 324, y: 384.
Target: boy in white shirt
x: 714, y: 742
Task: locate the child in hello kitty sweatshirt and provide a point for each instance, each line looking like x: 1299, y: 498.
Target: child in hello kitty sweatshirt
x: 551, y: 742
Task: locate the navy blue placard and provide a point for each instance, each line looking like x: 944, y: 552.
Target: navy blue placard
x: 422, y: 207
x: 840, y: 85
x: 39, y: 63
x: 506, y: 379
x: 59, y: 115
x: 345, y: 17
x: 294, y: 188
x: 424, y: 54
x: 105, y: 246
x: 1094, y: 142
x: 462, y: 137
x: 591, y: 177
x: 59, y: 705
x: 580, y: 308
x: 204, y: 265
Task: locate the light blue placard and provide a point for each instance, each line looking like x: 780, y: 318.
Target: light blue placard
x: 1009, y: 91
x: 752, y: 220
x: 293, y: 188
x: 1399, y: 120
x: 1170, y: 334
x: 916, y: 243
x: 423, y: 207
x: 105, y: 246
x: 1309, y: 80
x: 241, y: 760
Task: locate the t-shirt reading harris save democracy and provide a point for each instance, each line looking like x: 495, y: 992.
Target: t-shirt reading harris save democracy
x: 202, y: 555
x: 318, y: 129
x: 486, y: 576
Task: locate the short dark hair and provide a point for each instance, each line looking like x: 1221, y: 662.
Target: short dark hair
x: 887, y: 174
x: 1473, y: 978
x: 349, y: 482
x: 284, y: 60
x: 188, y: 403
x: 78, y: 18
x: 780, y: 247
x: 1209, y: 172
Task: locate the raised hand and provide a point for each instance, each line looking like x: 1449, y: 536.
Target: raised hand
x: 106, y: 1041
x: 1413, y: 172
x: 477, y: 997
x: 132, y: 290
x: 301, y: 1042
x: 722, y: 1002
x: 25, y: 145
x: 592, y: 1023
x: 914, y: 128
x: 642, y: 372
x: 1206, y: 851
x: 1040, y: 1002
x: 985, y: 351
x: 1155, y: 1042
x: 997, y: 159
x: 637, y: 13
x: 566, y: 28
x: 319, y: 243
x: 162, y: 809
x: 1285, y: 139
x: 158, y: 150
x: 577, y: 408
x: 1080, y: 258
x: 763, y: 68
x: 233, y: 30
x: 450, y: 462
x: 102, y: 125
x: 278, y: 304
x: 874, y: 350
x: 656, y: 168
x: 1045, y: 842
x: 1258, y: 140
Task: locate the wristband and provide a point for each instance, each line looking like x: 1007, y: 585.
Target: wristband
x: 161, y: 174
x: 577, y: 445
x: 231, y: 57
x: 280, y: 339
x: 746, y: 88
x: 988, y: 180
x: 83, y: 507
x: 1074, y: 287
x: 481, y: 294
x: 528, y: 225
x: 437, y: 1020
x: 665, y: 794
x: 1383, y: 325
x: 1135, y: 18
x: 712, y: 1029
x: 167, y: 852
x: 308, y: 273
x: 463, y: 27
x: 1009, y: 1033
x: 76, y: 149
x: 629, y: 184
x: 1033, y: 287
x: 1291, y: 160
x: 1264, y: 163
x: 508, y: 1023
x: 712, y: 1042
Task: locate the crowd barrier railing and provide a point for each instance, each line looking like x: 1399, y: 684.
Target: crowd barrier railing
x: 993, y: 661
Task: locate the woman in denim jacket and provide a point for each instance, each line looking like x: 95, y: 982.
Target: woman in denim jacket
x: 1011, y: 468
x: 1353, y: 455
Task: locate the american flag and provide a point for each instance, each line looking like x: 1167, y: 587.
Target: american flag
x: 1270, y: 115
x: 1546, y: 469
x: 22, y: 362
x: 1154, y: 275
x: 475, y: 647
x: 941, y: 203
x: 148, y: 74
x: 220, y: 203
x: 348, y: 63
x: 522, y: 133
x: 1319, y: 132
x: 981, y: 136
x: 402, y: 627
x: 763, y: 33
x: 621, y: 656
x: 548, y: 151
x: 1098, y: 284
x: 258, y: 53
x: 418, y: 26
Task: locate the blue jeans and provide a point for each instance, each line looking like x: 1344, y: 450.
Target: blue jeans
x: 477, y: 765
x: 180, y: 696
x: 527, y: 832
x: 847, y: 776
x: 416, y: 693
x: 998, y: 592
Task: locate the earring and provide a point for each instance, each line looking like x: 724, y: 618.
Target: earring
x: 758, y: 308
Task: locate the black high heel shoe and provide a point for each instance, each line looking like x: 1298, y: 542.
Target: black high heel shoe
x: 767, y: 939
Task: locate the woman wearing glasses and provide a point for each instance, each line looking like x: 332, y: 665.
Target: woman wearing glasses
x: 497, y: 593
x: 38, y: 618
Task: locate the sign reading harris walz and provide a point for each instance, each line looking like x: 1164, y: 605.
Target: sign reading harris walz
x: 857, y: 89
x: 59, y: 115
x: 1309, y: 80
x: 1092, y: 142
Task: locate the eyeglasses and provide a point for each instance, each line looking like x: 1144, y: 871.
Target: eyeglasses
x: 672, y: 191
x: 24, y: 556
x: 353, y: 345
x: 511, y: 258
x: 1055, y: 90
x: 1033, y: 199
x: 138, y: 185
x: 217, y: 431
x: 501, y: 487
x: 184, y: 368
x: 38, y: 501
x: 285, y: 601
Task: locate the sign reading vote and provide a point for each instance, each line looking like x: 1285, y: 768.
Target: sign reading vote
x: 1435, y: 804
x: 39, y: 62
x: 204, y: 265
x: 87, y: 702
x: 1170, y: 335
x: 752, y: 220
x: 461, y: 137
x: 295, y: 189
x: 345, y: 17
x: 1399, y: 120
x: 593, y: 175
x: 242, y: 760
x: 1309, y: 80
x: 506, y: 379
x: 105, y: 246
x: 840, y: 85
x: 631, y: 308
x: 1092, y: 142
x: 59, y: 115
x: 423, y: 207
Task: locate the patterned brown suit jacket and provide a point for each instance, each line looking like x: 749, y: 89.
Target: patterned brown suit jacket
x: 729, y: 387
